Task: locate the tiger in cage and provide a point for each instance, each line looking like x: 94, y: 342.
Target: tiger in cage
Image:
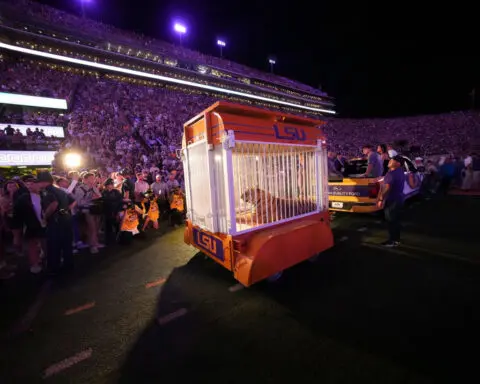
x: 268, y: 208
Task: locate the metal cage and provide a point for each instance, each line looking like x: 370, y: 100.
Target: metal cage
x: 242, y: 186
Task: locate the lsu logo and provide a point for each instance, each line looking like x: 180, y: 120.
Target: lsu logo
x: 208, y: 243
x: 289, y: 133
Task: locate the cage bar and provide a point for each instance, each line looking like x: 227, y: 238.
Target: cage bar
x: 272, y: 183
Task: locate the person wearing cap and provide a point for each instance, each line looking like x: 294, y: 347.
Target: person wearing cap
x: 112, y: 205
x: 56, y: 206
x: 391, y: 199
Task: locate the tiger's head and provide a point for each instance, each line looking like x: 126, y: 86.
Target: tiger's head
x: 254, y: 196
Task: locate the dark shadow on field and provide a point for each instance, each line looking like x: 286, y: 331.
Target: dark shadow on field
x: 172, y: 351
x: 416, y: 315
x: 18, y: 293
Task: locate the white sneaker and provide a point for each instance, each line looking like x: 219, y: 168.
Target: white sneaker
x: 93, y: 250
x: 74, y: 251
x: 36, y: 269
x: 100, y: 245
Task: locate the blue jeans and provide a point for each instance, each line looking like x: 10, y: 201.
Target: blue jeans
x: 392, y: 211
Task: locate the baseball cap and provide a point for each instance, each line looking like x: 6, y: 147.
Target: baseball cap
x: 45, y: 177
x: 399, y: 159
x: 108, y: 182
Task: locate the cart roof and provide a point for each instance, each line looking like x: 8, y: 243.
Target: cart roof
x: 247, y: 110
x: 252, y: 124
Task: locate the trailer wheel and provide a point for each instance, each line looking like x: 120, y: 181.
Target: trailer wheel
x: 275, y: 277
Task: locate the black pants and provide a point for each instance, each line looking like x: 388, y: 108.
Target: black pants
x: 111, y: 228
x: 393, y: 212
x: 445, y: 185
x: 59, y: 236
x: 176, y: 217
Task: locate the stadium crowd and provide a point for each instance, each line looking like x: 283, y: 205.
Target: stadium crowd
x: 127, y: 134
x: 92, y: 30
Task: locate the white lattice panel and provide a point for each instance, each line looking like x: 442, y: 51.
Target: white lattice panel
x: 200, y: 209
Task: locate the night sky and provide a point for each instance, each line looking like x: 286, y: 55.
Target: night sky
x: 392, y: 61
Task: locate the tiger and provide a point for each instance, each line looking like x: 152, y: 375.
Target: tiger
x: 268, y: 208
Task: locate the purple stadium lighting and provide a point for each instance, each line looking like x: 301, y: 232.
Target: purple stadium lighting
x: 82, y: 3
x: 181, y: 30
x: 221, y: 44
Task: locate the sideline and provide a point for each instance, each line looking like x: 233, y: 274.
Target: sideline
x: 67, y: 363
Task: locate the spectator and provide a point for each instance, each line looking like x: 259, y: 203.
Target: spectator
x: 28, y: 210
x: 85, y: 196
x: 56, y: 206
x: 391, y: 199
x: 375, y: 166
x: 384, y: 156
x: 141, y: 186
x: 112, y: 206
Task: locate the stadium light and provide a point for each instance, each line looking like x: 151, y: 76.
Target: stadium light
x: 72, y: 160
x: 272, y: 62
x: 167, y: 79
x: 221, y: 44
x: 181, y: 30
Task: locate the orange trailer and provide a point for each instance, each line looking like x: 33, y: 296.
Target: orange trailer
x: 256, y: 186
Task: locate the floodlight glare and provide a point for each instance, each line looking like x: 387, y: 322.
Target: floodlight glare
x: 221, y: 43
x: 271, y: 61
x: 72, y: 160
x: 180, y: 28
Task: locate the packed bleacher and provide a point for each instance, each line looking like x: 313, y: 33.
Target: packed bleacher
x: 455, y: 133
x: 104, y: 35
x: 127, y: 132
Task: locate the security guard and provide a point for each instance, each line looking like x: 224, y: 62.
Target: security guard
x: 56, y: 205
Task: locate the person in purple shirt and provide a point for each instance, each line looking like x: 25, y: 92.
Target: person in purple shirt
x: 375, y: 165
x: 391, y: 199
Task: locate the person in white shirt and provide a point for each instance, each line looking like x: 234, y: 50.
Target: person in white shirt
x: 141, y: 186
x: 467, y: 181
x: 84, y: 196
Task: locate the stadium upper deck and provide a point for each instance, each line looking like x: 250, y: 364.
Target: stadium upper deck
x: 51, y: 30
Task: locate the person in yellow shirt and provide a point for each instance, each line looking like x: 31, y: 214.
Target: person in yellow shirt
x: 130, y: 222
x: 177, y: 206
x: 152, y: 213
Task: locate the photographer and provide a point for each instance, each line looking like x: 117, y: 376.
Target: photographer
x: 85, y: 195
